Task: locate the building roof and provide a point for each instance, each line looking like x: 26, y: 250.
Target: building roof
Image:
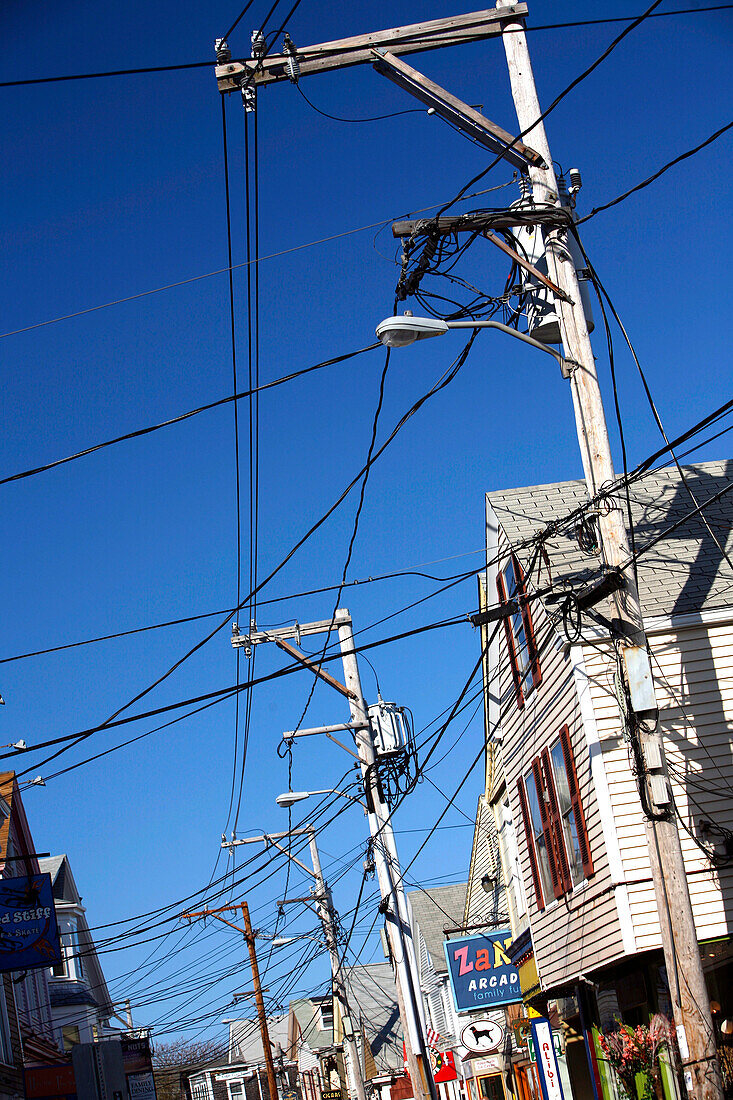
x: 55, y: 866
x: 684, y: 571
x: 434, y: 910
x: 246, y: 1043
x: 373, y: 1004
x: 68, y: 900
x: 70, y: 993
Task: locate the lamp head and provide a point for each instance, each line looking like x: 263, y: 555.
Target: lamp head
x: 398, y: 332
x: 289, y: 798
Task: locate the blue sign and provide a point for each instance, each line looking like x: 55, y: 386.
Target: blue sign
x: 481, y: 972
x: 29, y: 936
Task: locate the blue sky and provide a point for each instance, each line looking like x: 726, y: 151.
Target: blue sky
x: 115, y: 187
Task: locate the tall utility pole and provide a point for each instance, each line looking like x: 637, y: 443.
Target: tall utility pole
x: 323, y: 904
x: 399, y: 929
x: 389, y: 875
x: 690, y: 1000
x: 256, y: 984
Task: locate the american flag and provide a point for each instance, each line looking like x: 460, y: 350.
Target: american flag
x: 435, y: 1040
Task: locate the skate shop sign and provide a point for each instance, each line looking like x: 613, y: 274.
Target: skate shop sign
x: 481, y: 973
x: 29, y: 936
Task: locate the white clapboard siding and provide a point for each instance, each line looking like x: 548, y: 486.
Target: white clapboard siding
x: 582, y: 930
x: 693, y: 671
x: 485, y: 860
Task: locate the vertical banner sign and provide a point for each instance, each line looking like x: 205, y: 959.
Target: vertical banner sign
x: 547, y: 1067
x: 29, y: 938
x: 481, y: 972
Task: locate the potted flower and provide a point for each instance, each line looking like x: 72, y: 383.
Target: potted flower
x: 632, y: 1051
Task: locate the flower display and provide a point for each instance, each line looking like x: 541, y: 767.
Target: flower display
x: 635, y: 1050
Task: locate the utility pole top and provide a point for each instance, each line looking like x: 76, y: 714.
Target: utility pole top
x: 416, y: 38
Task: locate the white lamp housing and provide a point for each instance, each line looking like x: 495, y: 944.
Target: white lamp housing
x: 398, y: 332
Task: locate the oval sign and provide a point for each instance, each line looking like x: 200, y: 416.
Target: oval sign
x: 482, y: 1036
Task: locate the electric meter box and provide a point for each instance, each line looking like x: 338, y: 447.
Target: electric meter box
x: 389, y: 728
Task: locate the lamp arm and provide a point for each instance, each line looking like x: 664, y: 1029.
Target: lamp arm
x: 565, y: 364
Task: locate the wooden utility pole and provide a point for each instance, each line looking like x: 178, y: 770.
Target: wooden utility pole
x: 322, y: 902
x: 389, y: 875
x: 256, y: 984
x: 695, y: 1031
x: 399, y: 931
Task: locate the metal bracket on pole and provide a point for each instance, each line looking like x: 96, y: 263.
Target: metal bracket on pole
x: 315, y: 668
x: 339, y: 727
x: 457, y: 113
x: 530, y: 268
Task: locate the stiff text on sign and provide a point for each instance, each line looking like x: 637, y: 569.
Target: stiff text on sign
x: 28, y: 933
x: 481, y: 973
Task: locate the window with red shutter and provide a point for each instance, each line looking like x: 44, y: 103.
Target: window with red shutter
x: 556, y: 825
x: 586, y: 860
x: 543, y: 801
x: 554, y: 822
x: 521, y: 643
x: 529, y: 834
x: 501, y: 588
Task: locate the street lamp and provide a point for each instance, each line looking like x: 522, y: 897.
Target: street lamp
x: 281, y: 941
x: 289, y: 798
x: 398, y: 332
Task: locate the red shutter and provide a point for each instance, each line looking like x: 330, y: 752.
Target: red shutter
x: 529, y: 833
x: 501, y: 588
x: 567, y: 751
x: 528, y: 626
x: 557, y: 884
x: 556, y: 824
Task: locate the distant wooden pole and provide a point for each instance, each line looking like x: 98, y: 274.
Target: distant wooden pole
x: 688, y: 990
x: 259, y: 1002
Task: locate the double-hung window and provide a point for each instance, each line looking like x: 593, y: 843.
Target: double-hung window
x: 554, y: 822
x: 523, y: 656
x: 71, y: 964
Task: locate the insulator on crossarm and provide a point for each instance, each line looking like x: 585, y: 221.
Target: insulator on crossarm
x: 291, y: 64
x: 223, y: 53
x: 293, y: 69
x: 258, y: 44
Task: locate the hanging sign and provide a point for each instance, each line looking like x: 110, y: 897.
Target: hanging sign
x: 482, y: 1036
x: 29, y: 936
x: 481, y: 973
x: 141, y: 1086
x: 547, y: 1067
x: 444, y: 1066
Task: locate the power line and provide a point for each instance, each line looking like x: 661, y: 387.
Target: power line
x: 444, y: 380
x: 373, y: 118
x: 236, y: 22
x: 235, y: 407
x: 232, y: 398
x: 223, y: 270
x: 208, y: 64
x: 262, y: 603
x: 603, y: 293
x: 354, y: 532
x: 657, y: 174
x: 221, y: 692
